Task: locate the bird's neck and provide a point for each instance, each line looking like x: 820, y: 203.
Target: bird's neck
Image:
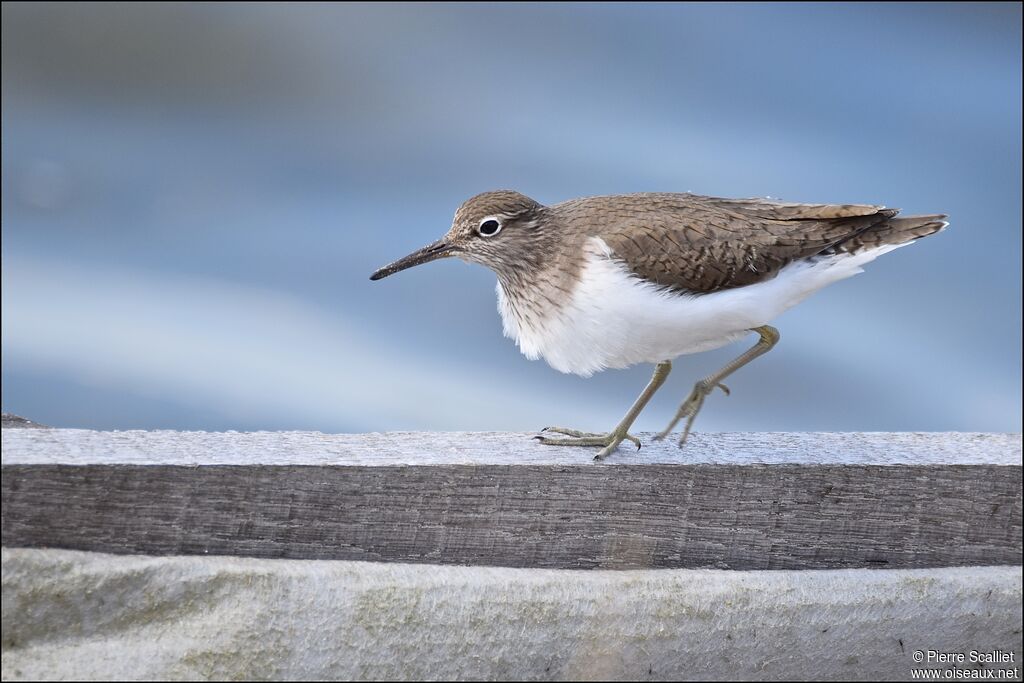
x: 539, y: 283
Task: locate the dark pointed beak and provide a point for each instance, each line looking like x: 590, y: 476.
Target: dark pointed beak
x: 431, y: 252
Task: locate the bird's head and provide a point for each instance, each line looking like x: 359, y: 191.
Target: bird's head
x: 497, y: 229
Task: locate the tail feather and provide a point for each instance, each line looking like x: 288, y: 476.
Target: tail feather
x: 891, y: 232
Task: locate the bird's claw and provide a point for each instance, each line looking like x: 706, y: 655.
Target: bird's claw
x: 690, y: 407
x: 609, y: 441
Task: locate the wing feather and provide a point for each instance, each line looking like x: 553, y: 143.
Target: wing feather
x: 706, y: 244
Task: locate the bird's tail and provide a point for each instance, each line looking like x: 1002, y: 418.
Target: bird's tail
x: 892, y: 232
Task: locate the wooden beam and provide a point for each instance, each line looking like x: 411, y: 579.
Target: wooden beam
x: 738, y: 501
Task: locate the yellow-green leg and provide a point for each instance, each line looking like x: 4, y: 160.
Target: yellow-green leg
x: 692, y: 405
x: 612, y: 439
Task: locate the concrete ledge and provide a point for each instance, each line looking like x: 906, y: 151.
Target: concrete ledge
x: 74, y: 615
x: 736, y: 501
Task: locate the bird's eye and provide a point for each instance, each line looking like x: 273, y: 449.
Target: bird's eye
x: 489, y: 227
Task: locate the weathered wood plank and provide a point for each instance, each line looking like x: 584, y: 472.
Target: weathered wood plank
x: 778, y: 502
x: 86, y: 447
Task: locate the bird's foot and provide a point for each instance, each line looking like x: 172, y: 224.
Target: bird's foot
x: 690, y: 407
x: 609, y: 441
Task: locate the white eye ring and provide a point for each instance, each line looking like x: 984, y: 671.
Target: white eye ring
x: 491, y: 230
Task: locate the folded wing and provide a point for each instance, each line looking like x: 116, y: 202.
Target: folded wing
x: 706, y: 244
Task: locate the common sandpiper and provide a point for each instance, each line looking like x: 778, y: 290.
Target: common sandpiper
x: 612, y: 281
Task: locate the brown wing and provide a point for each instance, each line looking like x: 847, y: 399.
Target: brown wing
x: 705, y: 244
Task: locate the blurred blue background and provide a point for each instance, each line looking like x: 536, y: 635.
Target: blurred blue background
x: 195, y: 195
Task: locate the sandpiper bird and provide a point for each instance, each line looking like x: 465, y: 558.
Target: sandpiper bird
x: 609, y: 282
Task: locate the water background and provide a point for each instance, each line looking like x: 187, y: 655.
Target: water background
x: 195, y: 195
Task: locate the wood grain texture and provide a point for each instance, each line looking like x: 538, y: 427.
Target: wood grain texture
x: 86, y: 447
x: 632, y: 513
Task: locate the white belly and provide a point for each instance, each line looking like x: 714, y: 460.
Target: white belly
x: 614, y: 319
